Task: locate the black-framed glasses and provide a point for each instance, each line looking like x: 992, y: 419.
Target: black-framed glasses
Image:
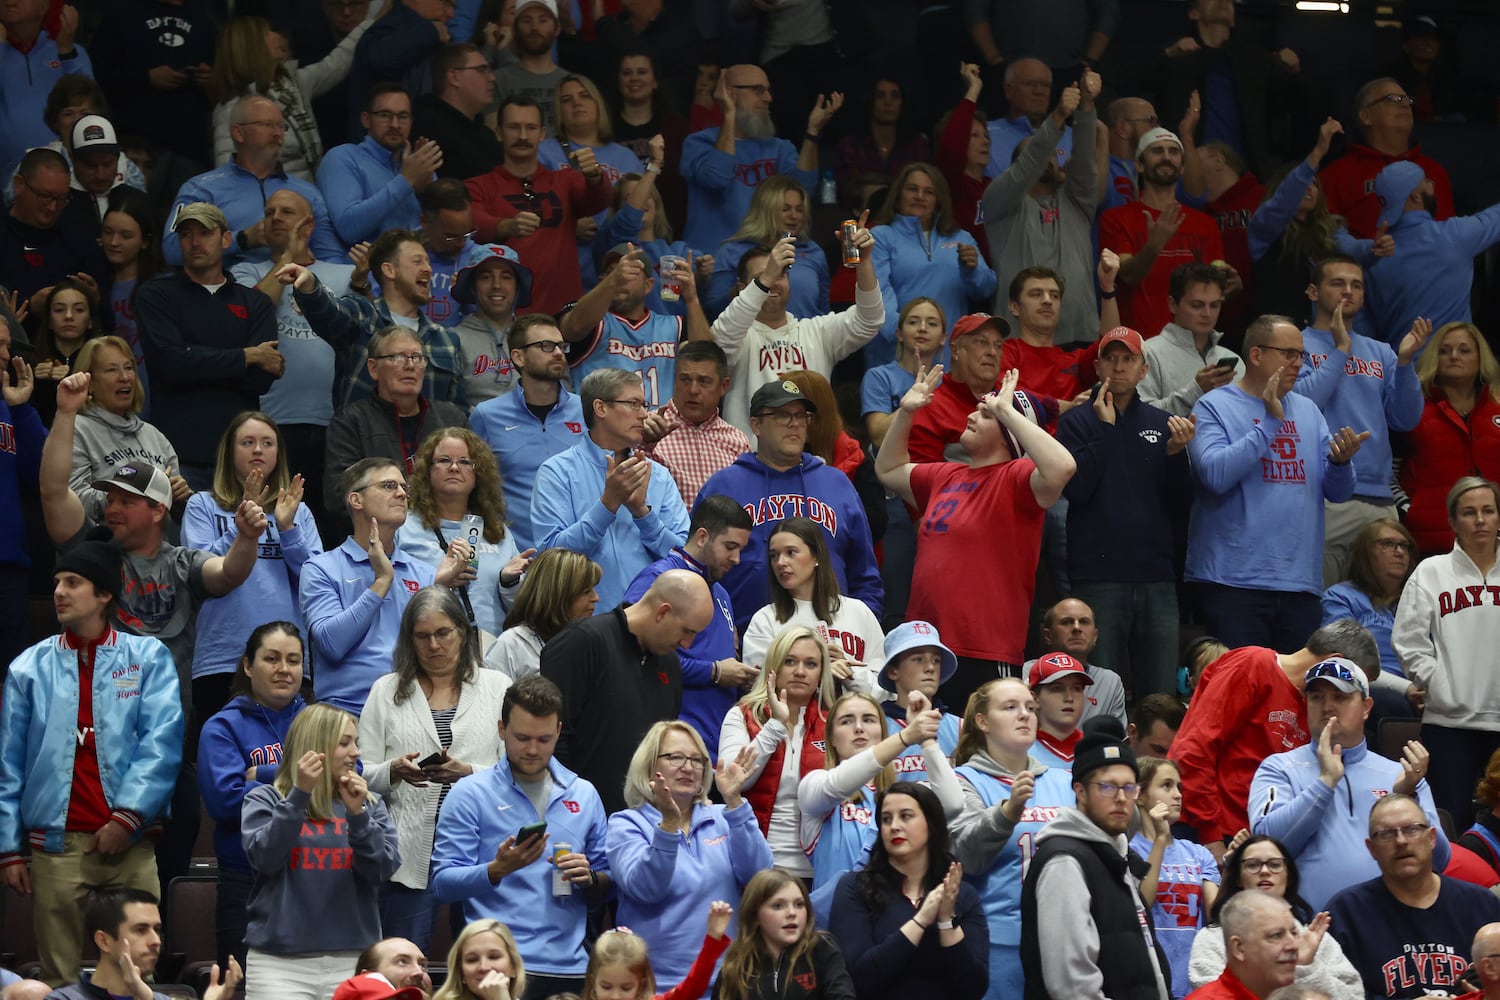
x: 549, y: 346
x: 758, y: 89
x: 391, y: 116
x: 1393, y: 544
x: 46, y: 199
x: 633, y: 405
x: 460, y: 237
x: 680, y: 760
x: 278, y: 126
x: 1400, y: 100
x: 1293, y: 354
x: 1407, y: 831
x: 783, y: 418
x: 1110, y: 790
x: 404, y: 360
x: 481, y: 68
x: 441, y: 635
x: 1255, y: 866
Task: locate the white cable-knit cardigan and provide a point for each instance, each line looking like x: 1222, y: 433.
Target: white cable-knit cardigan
x: 388, y: 730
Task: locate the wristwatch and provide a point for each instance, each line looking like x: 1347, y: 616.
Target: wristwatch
x: 945, y: 925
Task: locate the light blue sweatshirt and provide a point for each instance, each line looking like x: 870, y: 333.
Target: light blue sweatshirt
x: 1431, y: 273
x: 351, y: 630
x: 270, y: 592
x: 1366, y: 390
x: 521, y: 444
x: 477, y: 816
x: 1325, y: 828
x: 1259, y: 487
x: 910, y: 263
x: 366, y: 191
x: 720, y: 185
x: 666, y: 880
x: 566, y: 513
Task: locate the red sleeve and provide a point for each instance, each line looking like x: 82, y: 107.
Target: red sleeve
x: 701, y: 974
x: 1213, y: 241
x: 488, y: 204
x: 924, y: 479
x: 1087, y: 376
x: 1442, y: 191
x: 952, y: 151
x: 925, y: 442
x: 590, y: 199
x: 1221, y: 703
x: 1333, y: 182
x: 1115, y: 230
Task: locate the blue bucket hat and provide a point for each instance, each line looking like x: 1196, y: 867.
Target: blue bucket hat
x: 914, y: 635
x: 476, y: 255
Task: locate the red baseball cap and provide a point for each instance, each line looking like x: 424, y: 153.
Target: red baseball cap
x: 1123, y: 335
x: 975, y: 322
x: 1055, y: 666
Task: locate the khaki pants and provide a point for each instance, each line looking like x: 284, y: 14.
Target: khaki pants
x: 61, y: 883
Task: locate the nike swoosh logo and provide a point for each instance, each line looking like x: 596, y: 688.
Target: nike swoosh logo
x: 30, y: 249
x: 351, y: 581
x: 511, y: 427
x: 502, y: 807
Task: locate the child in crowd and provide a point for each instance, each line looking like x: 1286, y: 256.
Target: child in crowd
x: 620, y: 969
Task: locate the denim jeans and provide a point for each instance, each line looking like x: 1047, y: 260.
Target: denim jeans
x: 1138, y: 625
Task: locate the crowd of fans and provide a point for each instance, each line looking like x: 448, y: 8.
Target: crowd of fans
x: 700, y: 525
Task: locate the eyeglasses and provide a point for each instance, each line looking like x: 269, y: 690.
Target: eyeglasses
x: 442, y: 636
x: 41, y: 196
x: 633, y: 405
x: 549, y: 346
x: 1110, y: 790
x: 1408, y: 831
x: 782, y: 418
x: 1393, y: 544
x: 1293, y: 354
x: 758, y: 89
x: 404, y: 360
x: 391, y: 116
x: 1257, y: 865
x: 392, y: 486
x: 481, y: 68
x: 344, y: 4
x: 278, y: 126
x: 454, y: 463
x: 459, y: 237
x: 1400, y: 100
x: 681, y: 760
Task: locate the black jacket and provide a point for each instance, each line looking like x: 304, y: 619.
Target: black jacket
x: 821, y: 975
x: 469, y: 147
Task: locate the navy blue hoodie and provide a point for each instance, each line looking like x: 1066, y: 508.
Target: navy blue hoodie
x: 812, y: 490
x: 242, y: 734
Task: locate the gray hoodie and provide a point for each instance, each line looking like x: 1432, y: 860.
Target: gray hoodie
x: 102, y: 442
x: 983, y: 831
x: 1173, y: 361
x: 1071, y: 955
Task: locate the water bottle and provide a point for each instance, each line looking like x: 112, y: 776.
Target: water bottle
x: 828, y: 189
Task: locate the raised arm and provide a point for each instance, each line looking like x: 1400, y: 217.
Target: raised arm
x: 61, y: 508
x: 893, y: 465
x: 1054, y: 463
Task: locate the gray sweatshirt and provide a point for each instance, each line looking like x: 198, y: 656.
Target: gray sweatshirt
x: 1173, y: 362
x: 983, y: 831
x: 102, y: 442
x: 1070, y: 959
x: 1054, y: 231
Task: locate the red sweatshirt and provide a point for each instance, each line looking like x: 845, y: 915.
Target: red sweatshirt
x: 1244, y: 710
x: 560, y: 198
x: 1349, y: 186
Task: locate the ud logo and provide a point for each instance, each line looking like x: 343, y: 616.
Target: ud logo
x: 571, y: 806
x: 412, y: 585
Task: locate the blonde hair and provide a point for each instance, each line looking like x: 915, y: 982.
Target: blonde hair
x: 88, y: 355
x: 972, y: 739
x: 643, y: 764
x: 759, y: 698
x: 831, y: 756
x: 1489, y: 368
x: 318, y: 728
x: 759, y: 225
x: 242, y: 62
x: 455, y: 988
x: 604, y: 131
x: 623, y: 948
x: 228, y: 488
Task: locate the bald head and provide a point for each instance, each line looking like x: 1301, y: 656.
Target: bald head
x: 750, y: 90
x: 288, y: 219
x: 672, y: 611
x: 1028, y: 88
x: 1486, y: 956
x: 1260, y: 940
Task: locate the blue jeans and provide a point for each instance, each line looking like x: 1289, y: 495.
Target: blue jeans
x: 1280, y: 619
x: 1137, y: 632
x: 407, y: 913
x: 898, y: 562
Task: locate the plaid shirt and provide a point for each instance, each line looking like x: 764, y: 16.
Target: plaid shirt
x: 348, y: 321
x: 694, y: 452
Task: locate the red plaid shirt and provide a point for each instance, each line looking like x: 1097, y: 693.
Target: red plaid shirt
x: 694, y: 452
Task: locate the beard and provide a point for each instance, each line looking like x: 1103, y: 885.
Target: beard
x: 755, y: 124
x: 1429, y: 202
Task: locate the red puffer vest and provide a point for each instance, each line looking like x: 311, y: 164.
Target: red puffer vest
x: 762, y: 794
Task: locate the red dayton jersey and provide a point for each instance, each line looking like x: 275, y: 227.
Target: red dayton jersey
x: 1243, y: 710
x: 1123, y: 230
x: 977, y: 548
